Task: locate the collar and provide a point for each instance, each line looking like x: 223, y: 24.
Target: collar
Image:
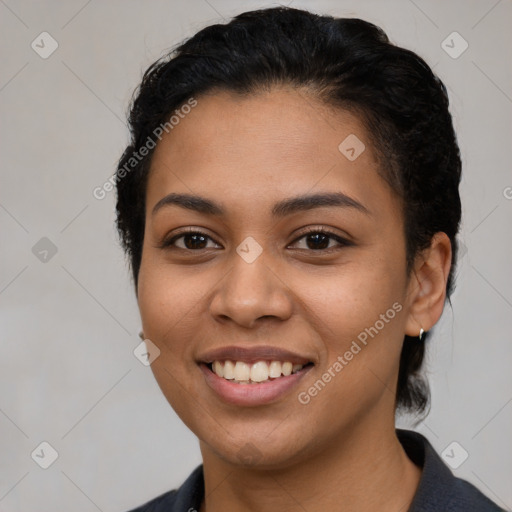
x: 439, y: 489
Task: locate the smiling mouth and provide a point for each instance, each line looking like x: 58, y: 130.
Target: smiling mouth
x: 259, y: 372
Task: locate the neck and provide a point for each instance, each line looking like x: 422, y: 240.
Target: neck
x: 366, y: 470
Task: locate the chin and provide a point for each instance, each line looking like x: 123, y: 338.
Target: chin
x: 256, y: 451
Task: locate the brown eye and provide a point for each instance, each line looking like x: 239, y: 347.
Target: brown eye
x: 317, y: 241
x: 193, y: 241
x: 320, y: 240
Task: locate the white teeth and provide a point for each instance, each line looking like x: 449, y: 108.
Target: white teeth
x: 242, y: 371
x: 218, y: 368
x: 261, y: 371
x: 228, y: 370
x: 287, y: 368
x: 275, y: 369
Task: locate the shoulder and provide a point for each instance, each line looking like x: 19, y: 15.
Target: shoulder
x: 188, y: 497
x: 439, y: 489
x: 470, y: 499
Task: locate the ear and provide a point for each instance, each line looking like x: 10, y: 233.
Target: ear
x: 427, y: 285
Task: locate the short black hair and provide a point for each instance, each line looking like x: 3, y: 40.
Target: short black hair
x: 345, y: 62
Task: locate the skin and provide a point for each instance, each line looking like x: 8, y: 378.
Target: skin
x: 246, y: 154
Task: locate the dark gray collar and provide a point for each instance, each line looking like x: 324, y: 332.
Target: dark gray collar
x: 439, y: 489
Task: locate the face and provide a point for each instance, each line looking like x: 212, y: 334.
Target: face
x: 266, y: 242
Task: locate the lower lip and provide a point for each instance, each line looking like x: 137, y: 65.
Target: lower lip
x: 252, y: 394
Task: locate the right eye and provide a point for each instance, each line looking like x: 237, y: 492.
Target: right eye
x: 190, y: 240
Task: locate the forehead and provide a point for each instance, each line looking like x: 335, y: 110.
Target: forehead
x: 269, y: 144
x: 264, y: 124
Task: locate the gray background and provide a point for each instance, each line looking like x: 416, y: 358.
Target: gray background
x: 69, y: 324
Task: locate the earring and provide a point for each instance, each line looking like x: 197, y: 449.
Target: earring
x: 421, y: 333
x: 141, y: 336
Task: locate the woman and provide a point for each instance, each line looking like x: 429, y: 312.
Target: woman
x: 289, y: 204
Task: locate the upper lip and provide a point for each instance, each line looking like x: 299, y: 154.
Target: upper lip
x: 252, y: 355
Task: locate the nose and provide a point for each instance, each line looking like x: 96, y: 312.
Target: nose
x: 250, y: 292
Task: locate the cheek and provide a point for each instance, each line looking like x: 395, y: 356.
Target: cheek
x: 351, y: 298
x: 168, y: 303
x: 359, y: 315
x: 167, y: 296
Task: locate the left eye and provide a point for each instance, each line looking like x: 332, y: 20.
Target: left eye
x: 321, y: 240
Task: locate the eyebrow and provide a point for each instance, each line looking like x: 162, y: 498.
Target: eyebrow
x: 280, y: 209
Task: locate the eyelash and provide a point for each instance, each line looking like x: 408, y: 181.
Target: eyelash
x: 343, y: 242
